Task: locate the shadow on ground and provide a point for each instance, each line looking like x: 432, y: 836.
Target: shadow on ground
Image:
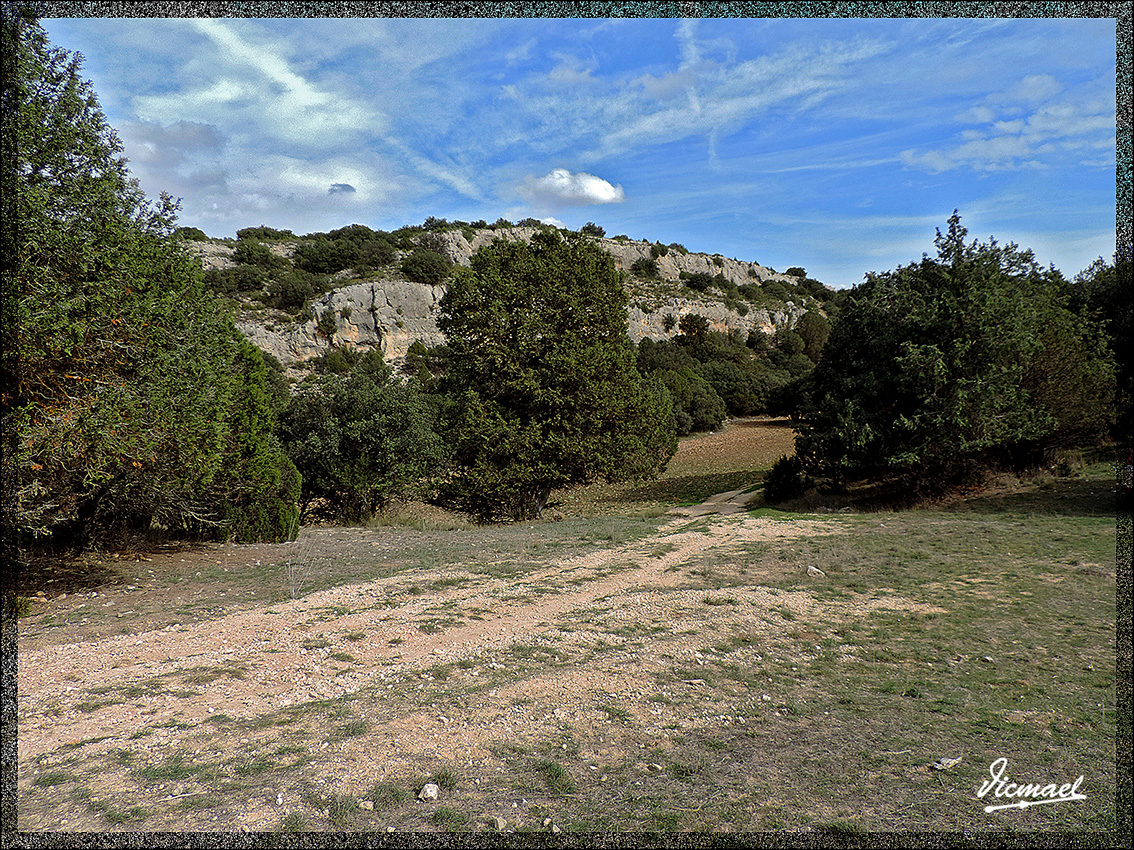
x: 692, y: 489
x: 1059, y: 497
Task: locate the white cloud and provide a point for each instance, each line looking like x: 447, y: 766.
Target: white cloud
x: 520, y: 53
x: 1034, y: 88
x: 977, y: 115
x: 562, y: 188
x: 553, y: 221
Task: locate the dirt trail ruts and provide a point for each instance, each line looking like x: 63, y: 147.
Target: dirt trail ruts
x: 257, y: 661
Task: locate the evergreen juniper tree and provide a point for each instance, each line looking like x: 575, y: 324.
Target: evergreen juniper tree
x: 130, y: 401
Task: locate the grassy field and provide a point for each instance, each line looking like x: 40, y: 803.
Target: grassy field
x: 731, y: 692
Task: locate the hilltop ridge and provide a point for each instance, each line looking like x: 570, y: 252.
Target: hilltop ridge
x: 383, y: 308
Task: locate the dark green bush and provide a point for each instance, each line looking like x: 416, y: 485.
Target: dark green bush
x: 254, y: 254
x: 360, y: 441
x: 426, y: 266
x: 291, y: 291
x: 264, y: 234
x: 190, y: 234
x: 784, y: 481
x: 645, y: 266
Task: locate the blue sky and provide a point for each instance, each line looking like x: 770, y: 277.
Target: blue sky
x: 838, y: 145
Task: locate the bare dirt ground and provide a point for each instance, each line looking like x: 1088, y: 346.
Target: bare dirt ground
x: 356, y: 641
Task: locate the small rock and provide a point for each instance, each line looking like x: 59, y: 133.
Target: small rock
x: 946, y: 763
x: 366, y: 804
x: 499, y: 823
x: 555, y: 829
x: 547, y: 822
x: 429, y: 792
x: 815, y: 572
x: 988, y: 659
x: 279, y: 799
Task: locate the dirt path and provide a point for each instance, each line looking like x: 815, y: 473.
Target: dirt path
x: 262, y: 664
x: 270, y: 640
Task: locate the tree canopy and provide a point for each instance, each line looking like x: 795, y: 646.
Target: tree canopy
x: 542, y: 370
x: 973, y: 358
x: 360, y: 441
x: 130, y: 399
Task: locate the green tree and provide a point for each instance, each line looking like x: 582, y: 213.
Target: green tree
x: 543, y: 376
x: 426, y: 266
x: 813, y: 330
x: 967, y: 360
x: 1102, y: 296
x: 130, y: 400
x: 360, y: 441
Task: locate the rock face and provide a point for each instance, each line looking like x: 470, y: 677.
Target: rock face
x: 392, y: 314
x: 651, y: 323
x: 389, y: 315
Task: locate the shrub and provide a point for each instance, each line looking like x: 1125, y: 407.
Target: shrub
x: 543, y: 380
x: 784, y: 481
x: 291, y: 291
x: 645, y: 266
x: 264, y: 234
x: 592, y: 229
x: 190, y: 234
x: 658, y: 250
x: 696, y: 405
x: 327, y: 325
x: 360, y: 441
x: 254, y: 254
x: 426, y: 266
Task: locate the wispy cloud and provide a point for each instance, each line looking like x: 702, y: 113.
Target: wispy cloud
x: 254, y: 86
x: 1027, y: 125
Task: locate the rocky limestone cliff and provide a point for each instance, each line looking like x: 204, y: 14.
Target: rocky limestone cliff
x: 392, y: 313
x: 388, y: 315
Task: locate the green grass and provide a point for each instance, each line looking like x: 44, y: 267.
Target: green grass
x: 557, y: 777
x: 444, y: 778
x: 861, y: 698
x: 53, y: 778
x: 387, y: 795
x: 173, y: 769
